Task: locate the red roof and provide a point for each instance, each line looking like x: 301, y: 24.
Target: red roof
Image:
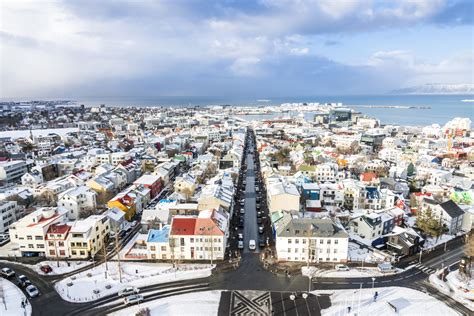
x: 207, y: 227
x: 368, y: 176
x: 183, y: 226
x: 58, y: 229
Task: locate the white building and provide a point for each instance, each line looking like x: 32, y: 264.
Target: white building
x: 29, y: 232
x: 77, y: 200
x: 88, y: 236
x: 322, y: 239
x: 8, y: 214
x: 11, y: 171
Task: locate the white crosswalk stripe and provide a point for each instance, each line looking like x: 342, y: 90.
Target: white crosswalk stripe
x: 425, y: 269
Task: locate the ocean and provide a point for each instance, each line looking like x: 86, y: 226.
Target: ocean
x: 442, y: 107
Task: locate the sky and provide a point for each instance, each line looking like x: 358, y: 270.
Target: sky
x: 261, y: 48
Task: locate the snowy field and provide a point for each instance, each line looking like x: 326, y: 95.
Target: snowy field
x: 10, y: 305
x: 80, y: 287
x: 196, y: 304
x: 406, y: 301
x: 63, y: 266
x: 356, y: 253
x: 433, y: 242
x: 38, y: 132
x: 352, y: 273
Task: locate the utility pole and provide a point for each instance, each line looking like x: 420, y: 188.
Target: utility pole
x: 118, y: 255
x: 105, y: 259
x: 421, y: 252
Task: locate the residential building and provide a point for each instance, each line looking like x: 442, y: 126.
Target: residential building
x: 88, y: 236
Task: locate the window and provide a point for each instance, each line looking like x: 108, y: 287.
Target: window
x: 335, y: 250
x: 163, y: 257
x: 29, y: 237
x: 163, y: 248
x: 31, y: 246
x: 153, y: 248
x: 73, y: 252
x: 52, y: 253
x: 289, y: 250
x: 321, y: 241
x: 296, y: 250
x: 50, y: 243
x: 304, y: 241
x: 328, y: 250
x: 153, y: 256
x: 191, y: 240
x: 289, y: 240
x: 82, y: 252
x: 62, y: 252
x: 61, y: 244
x: 182, y: 242
x: 297, y: 241
x: 329, y: 241
x: 336, y: 241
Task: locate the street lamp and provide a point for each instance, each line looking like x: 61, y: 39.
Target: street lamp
x: 421, y: 252
x: 293, y: 298
x: 305, y: 296
x: 373, y: 281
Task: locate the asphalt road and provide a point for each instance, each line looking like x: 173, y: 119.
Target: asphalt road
x: 250, y: 224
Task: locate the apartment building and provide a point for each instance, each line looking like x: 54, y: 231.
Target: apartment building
x: 29, y: 232
x: 310, y: 239
x: 88, y: 236
x: 11, y: 171
x: 78, y: 200
x: 8, y: 214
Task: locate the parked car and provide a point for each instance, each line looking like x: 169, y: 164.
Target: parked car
x: 259, y: 220
x: 241, y: 223
x: 342, y: 267
x: 252, y: 244
x: 240, y: 245
x: 241, y: 236
x: 261, y: 242
x: 260, y: 229
x: 128, y: 291
x: 23, y: 281
x: 133, y: 299
x: 7, y: 272
x: 32, y: 291
x: 242, y: 211
x: 46, y: 269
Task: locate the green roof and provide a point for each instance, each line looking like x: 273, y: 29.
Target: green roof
x: 307, y: 168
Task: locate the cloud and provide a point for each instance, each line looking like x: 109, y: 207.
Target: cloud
x: 75, y: 47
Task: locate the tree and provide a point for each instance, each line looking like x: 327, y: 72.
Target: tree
x: 47, y: 198
x: 187, y: 193
x: 469, y: 247
x: 143, y: 312
x: 430, y: 224
x: 86, y: 212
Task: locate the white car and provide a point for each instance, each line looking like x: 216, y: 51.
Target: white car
x: 7, y: 272
x: 241, y: 244
x: 252, y: 244
x: 242, y: 210
x: 133, y: 299
x: 128, y: 291
x: 342, y: 267
x: 32, y: 291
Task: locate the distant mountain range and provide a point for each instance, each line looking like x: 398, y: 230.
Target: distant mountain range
x: 437, y: 88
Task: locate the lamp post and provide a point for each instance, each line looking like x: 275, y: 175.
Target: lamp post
x: 421, y: 252
x: 293, y: 298
x: 305, y: 296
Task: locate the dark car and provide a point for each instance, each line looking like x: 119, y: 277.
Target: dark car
x: 122, y: 234
x: 260, y: 229
x: 23, y: 281
x: 241, y: 223
x: 261, y: 242
x: 259, y: 220
x: 46, y: 269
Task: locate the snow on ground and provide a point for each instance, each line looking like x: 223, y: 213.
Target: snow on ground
x: 405, y: 300
x: 459, y: 288
x: 37, y: 132
x: 13, y: 296
x: 64, y: 266
x: 356, y: 253
x: 196, y: 304
x: 352, y: 273
x: 432, y: 242
x: 82, y: 285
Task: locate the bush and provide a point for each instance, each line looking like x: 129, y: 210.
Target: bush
x: 143, y: 312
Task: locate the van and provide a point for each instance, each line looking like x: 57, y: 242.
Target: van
x: 252, y: 244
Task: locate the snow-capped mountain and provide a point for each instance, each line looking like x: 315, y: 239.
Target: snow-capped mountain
x: 438, y: 88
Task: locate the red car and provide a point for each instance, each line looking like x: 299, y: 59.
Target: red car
x: 46, y: 269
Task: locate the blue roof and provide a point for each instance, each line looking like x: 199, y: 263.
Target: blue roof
x: 159, y: 235
x: 166, y: 201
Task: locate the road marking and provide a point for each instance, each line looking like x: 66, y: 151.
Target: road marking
x: 398, y: 279
x: 386, y: 281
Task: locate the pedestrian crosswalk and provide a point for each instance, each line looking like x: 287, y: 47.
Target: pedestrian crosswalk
x: 425, y: 269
